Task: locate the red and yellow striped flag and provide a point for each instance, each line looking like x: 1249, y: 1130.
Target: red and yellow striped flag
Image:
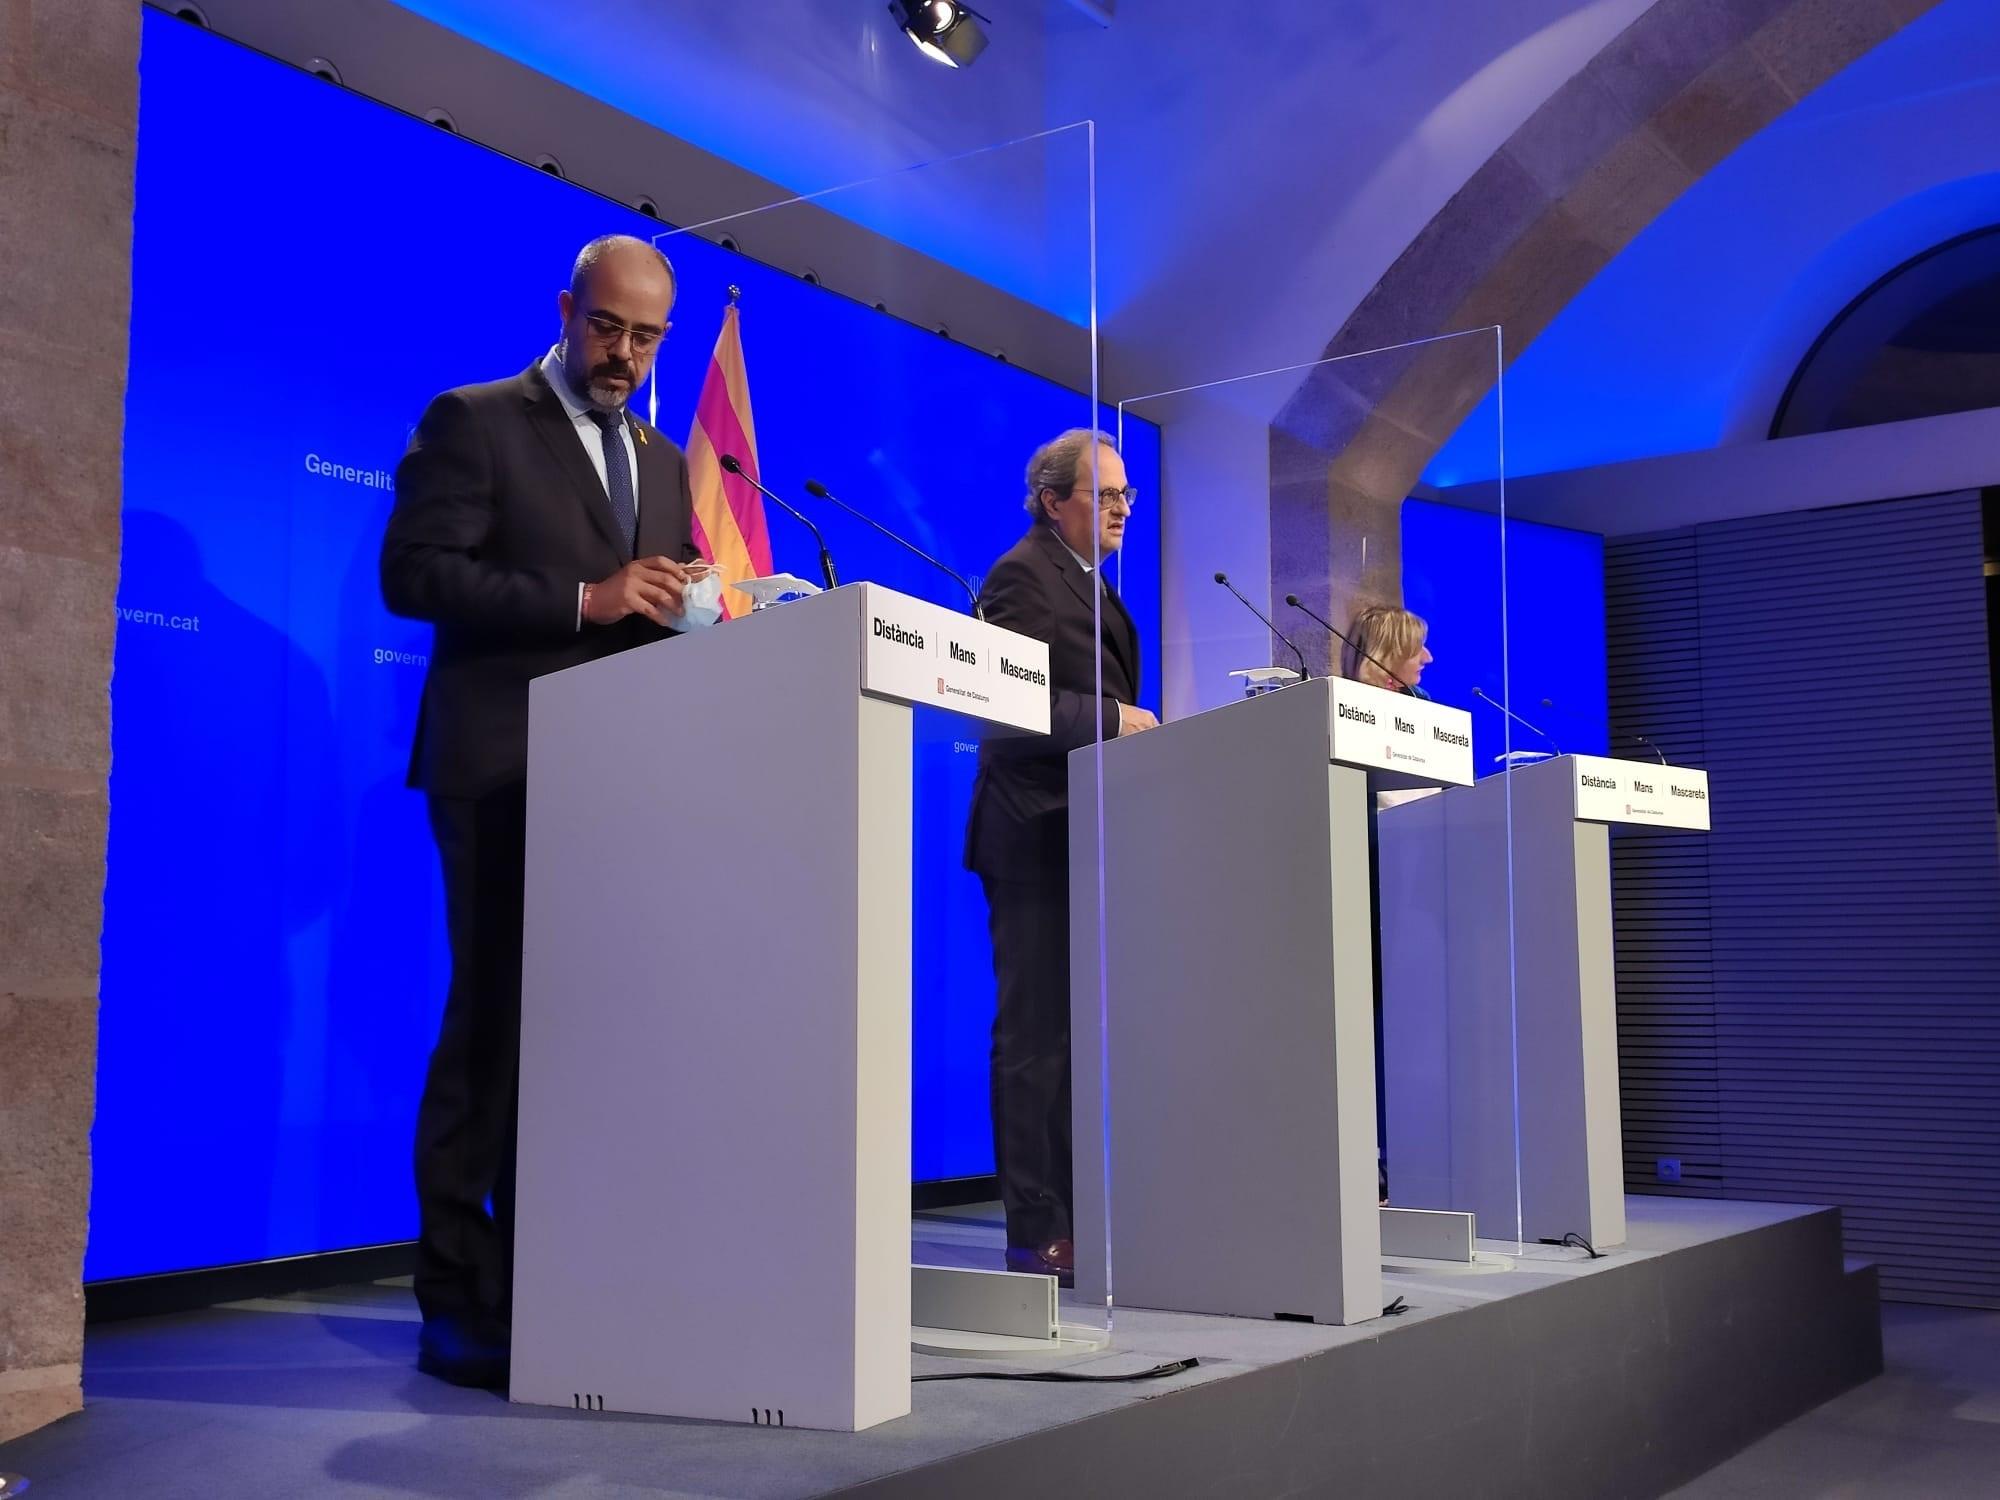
x: 728, y: 511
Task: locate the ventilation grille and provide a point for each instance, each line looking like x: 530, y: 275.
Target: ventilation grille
x: 1809, y: 998
x: 1668, y: 1090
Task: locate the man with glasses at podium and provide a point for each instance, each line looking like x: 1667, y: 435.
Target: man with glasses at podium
x: 538, y: 525
x: 1050, y: 586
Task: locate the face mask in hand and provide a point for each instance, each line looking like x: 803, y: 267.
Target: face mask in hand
x: 701, y: 603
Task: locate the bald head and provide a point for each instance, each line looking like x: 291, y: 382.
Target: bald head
x: 634, y: 255
x: 614, y: 314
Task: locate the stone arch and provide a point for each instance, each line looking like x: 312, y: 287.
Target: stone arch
x: 1606, y: 154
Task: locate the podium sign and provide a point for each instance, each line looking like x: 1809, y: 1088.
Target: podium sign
x: 1631, y: 791
x: 920, y: 653
x: 1426, y: 742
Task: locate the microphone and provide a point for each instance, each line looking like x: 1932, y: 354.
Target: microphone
x: 1619, y: 739
x: 1640, y: 739
x: 820, y: 492
x: 825, y: 557
x: 1417, y: 692
x: 1480, y: 693
x: 1304, y: 674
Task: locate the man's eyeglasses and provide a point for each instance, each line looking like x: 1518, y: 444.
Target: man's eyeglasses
x: 611, y: 330
x: 1126, y: 499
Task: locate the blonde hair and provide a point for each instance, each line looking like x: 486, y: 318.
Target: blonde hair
x: 1391, y: 635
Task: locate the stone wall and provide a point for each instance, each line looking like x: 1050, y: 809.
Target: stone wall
x: 69, y: 91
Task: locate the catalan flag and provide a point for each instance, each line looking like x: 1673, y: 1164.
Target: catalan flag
x: 728, y: 511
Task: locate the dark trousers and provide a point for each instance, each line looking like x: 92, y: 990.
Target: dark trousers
x: 466, y: 1122
x: 1030, y: 1067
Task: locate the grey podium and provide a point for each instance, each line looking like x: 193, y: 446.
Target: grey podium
x: 714, y: 1181
x: 1231, y: 1164
x: 1499, y: 1025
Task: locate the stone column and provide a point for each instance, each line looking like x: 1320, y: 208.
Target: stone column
x: 69, y: 90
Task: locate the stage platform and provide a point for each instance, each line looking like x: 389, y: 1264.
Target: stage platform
x: 1623, y: 1376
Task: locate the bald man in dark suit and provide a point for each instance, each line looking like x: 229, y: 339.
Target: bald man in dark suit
x: 538, y: 524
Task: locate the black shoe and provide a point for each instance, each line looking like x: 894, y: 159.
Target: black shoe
x: 454, y: 1352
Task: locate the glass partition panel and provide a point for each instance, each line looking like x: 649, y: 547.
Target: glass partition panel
x: 1337, y: 649
x: 886, y: 368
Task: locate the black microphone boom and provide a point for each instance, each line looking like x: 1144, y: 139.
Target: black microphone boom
x: 1480, y: 693
x: 1640, y: 739
x: 1305, y: 675
x: 1293, y: 600
x: 825, y: 557
x: 820, y: 492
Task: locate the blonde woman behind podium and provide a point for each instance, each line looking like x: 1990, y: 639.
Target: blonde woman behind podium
x: 1387, y: 651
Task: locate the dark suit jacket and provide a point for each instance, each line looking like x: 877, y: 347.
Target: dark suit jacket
x: 1019, y: 827
x: 499, y: 517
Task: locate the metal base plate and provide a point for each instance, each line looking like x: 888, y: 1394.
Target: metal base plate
x: 957, y: 1343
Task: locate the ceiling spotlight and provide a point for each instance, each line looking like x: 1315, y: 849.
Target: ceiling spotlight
x: 943, y: 30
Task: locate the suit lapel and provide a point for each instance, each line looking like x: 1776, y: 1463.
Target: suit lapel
x: 1058, y: 554
x: 548, y: 417
x: 1122, y: 642
x: 659, y: 527
x: 1126, y: 640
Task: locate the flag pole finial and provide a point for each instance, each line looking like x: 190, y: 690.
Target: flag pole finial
x: 734, y: 293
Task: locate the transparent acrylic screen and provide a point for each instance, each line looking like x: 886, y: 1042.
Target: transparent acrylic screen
x: 913, y: 425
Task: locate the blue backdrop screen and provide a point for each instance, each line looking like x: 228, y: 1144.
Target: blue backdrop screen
x: 1552, y: 657
x: 309, y: 269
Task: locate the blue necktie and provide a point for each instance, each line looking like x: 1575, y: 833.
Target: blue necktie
x: 618, y: 477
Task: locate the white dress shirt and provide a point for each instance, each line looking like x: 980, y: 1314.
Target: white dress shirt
x: 587, y: 431
x: 591, y: 436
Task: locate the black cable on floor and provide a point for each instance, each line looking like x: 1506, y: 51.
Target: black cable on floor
x: 1396, y: 1309
x: 1075, y: 1376
x: 1573, y: 1239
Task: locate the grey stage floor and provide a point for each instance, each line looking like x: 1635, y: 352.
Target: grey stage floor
x: 1926, y: 1428
x: 316, y: 1394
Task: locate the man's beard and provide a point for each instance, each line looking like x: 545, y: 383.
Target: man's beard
x: 604, y: 395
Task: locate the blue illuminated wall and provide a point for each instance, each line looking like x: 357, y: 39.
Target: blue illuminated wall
x: 1554, y: 666
x: 309, y: 268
